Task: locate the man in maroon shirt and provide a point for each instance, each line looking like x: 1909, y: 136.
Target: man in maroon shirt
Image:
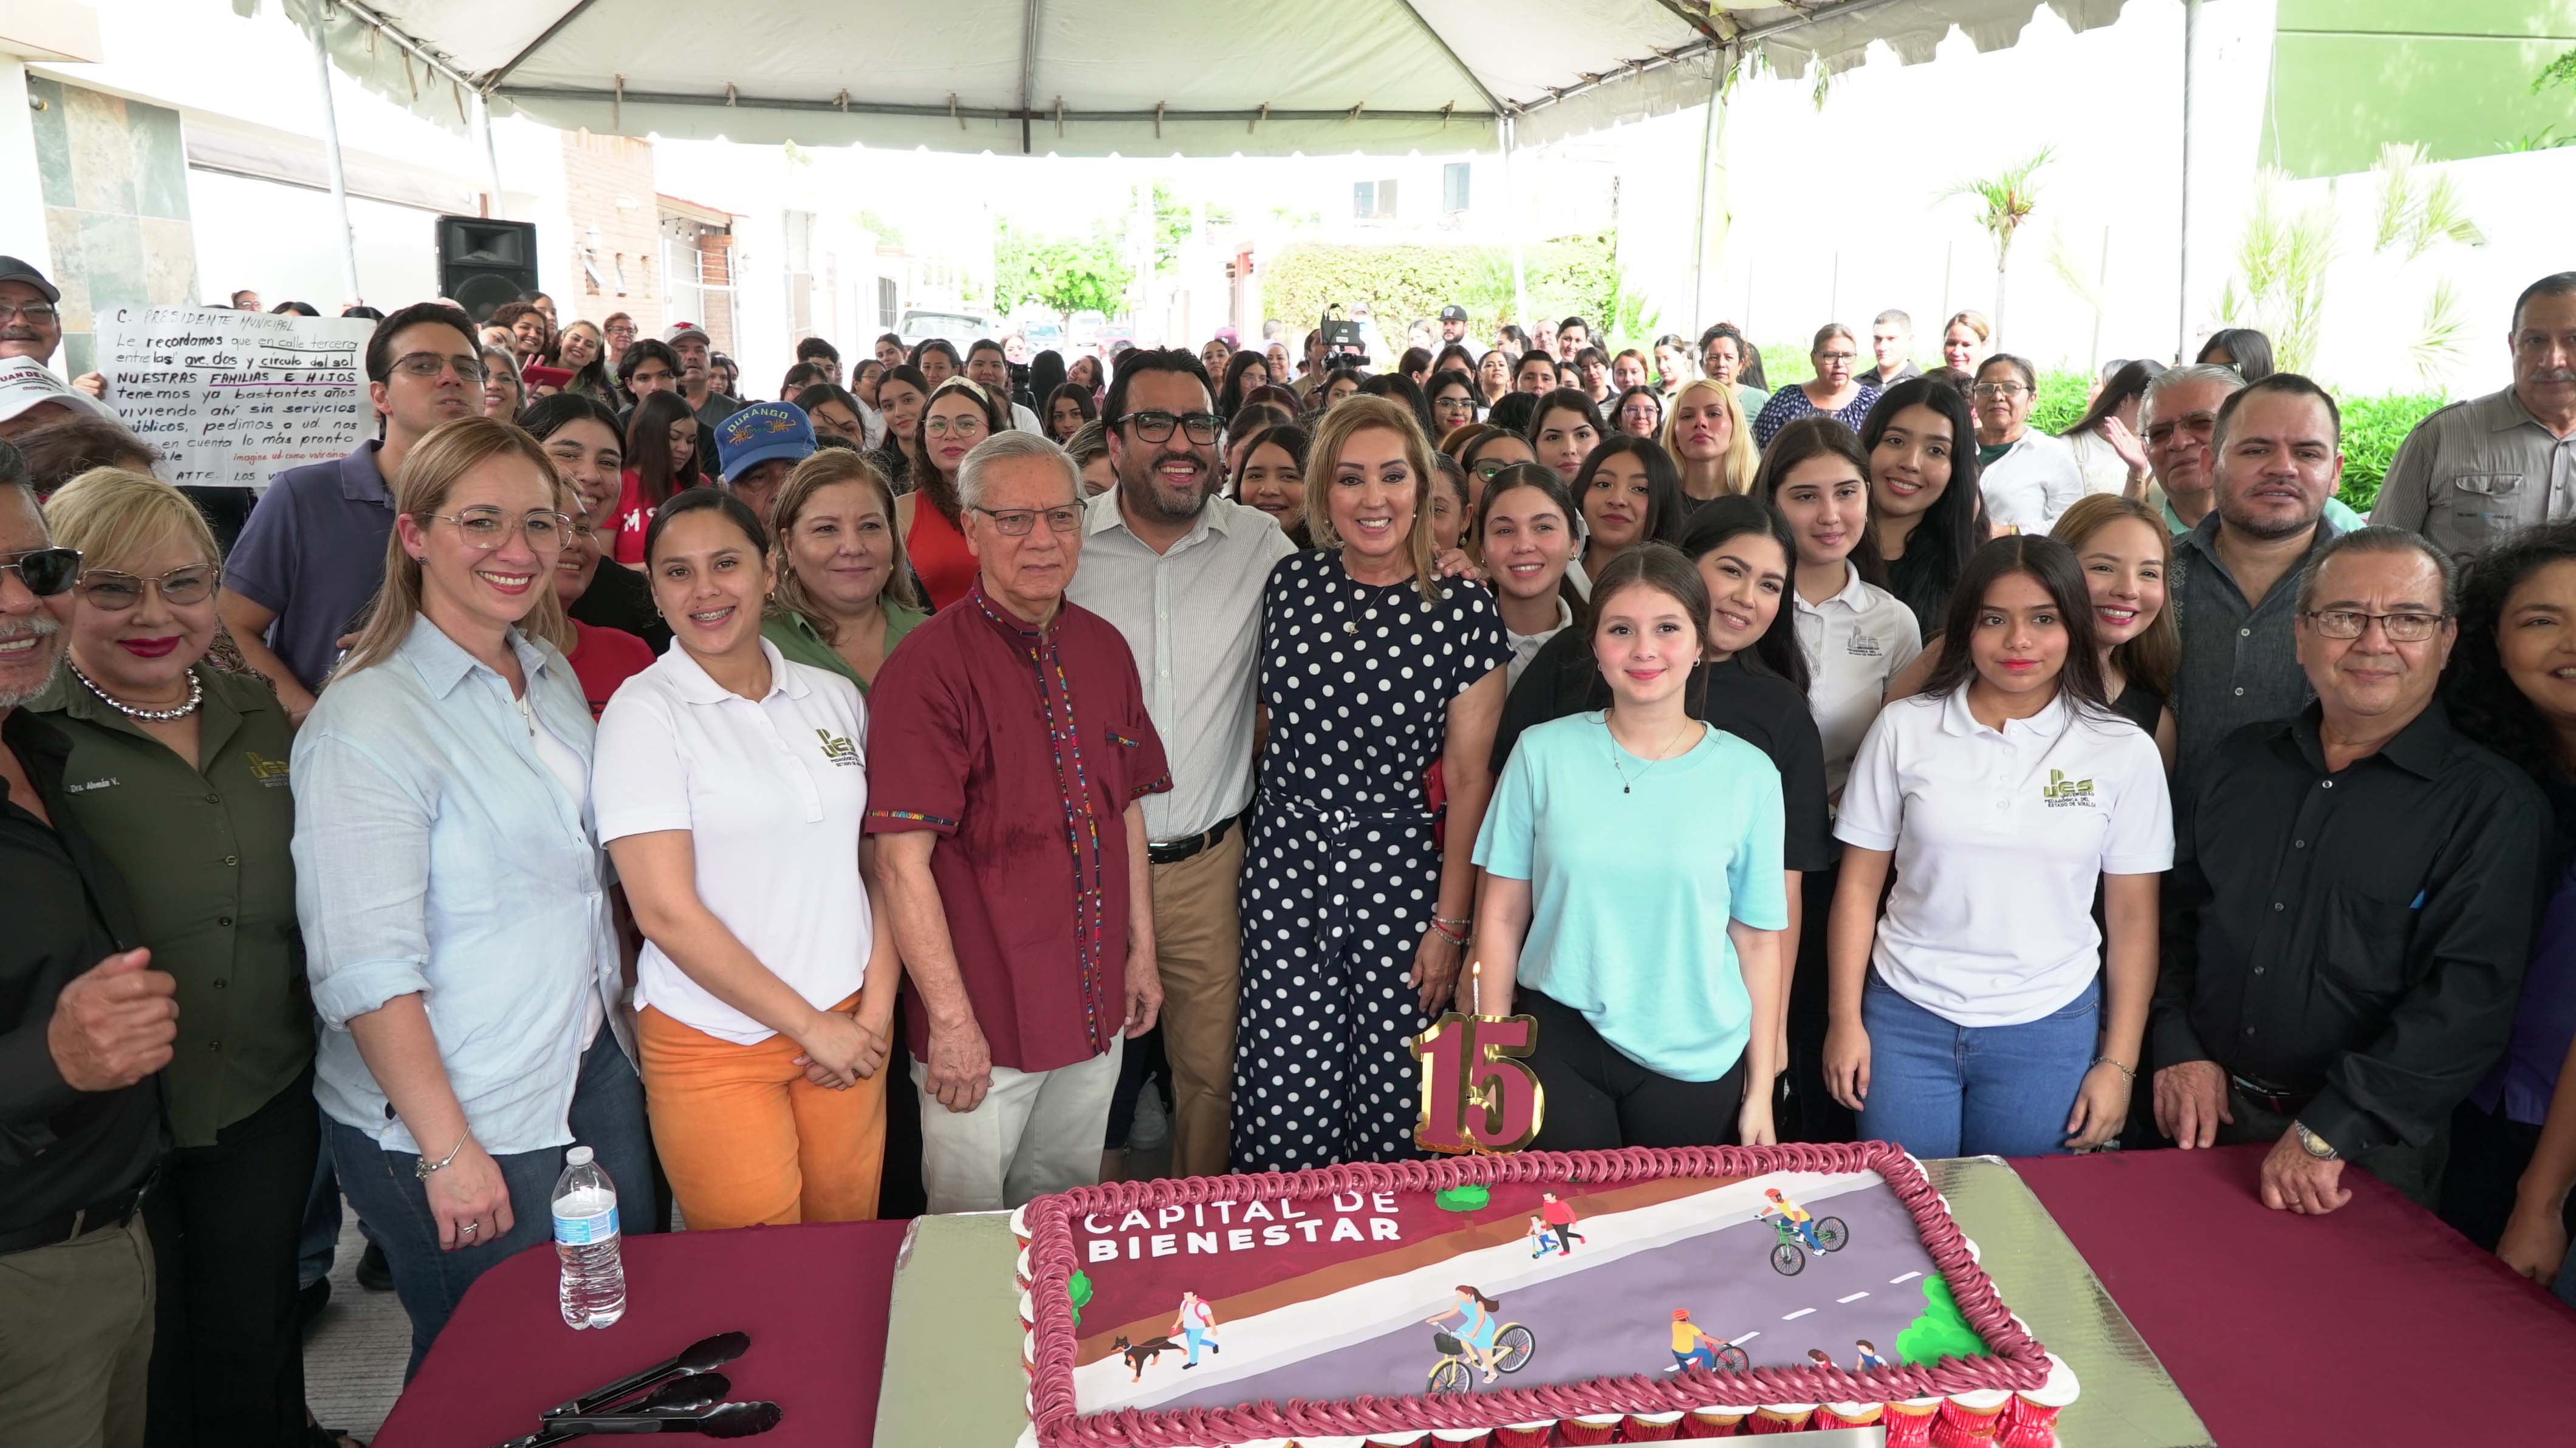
x: 1008, y: 749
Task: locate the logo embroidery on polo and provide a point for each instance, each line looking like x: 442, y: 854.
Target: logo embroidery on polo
x: 838, y: 748
x: 2063, y: 793
x: 1863, y: 646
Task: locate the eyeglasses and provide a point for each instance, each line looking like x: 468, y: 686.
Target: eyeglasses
x: 2401, y: 628
x: 485, y: 529
x: 1016, y: 522
x: 120, y: 592
x: 37, y: 312
x: 428, y: 365
x: 2203, y: 425
x: 45, y: 571
x: 1998, y: 389
x: 962, y: 427
x: 1830, y: 357
x: 1202, y: 427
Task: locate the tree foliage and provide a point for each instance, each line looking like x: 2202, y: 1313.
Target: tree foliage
x: 1941, y: 1331
x: 1060, y: 274
x: 2004, y: 201
x: 1572, y: 277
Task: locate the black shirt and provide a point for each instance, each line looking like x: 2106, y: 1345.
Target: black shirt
x: 1763, y: 710
x: 1920, y: 581
x: 2362, y: 934
x: 2140, y: 705
x: 620, y: 597
x: 66, y: 910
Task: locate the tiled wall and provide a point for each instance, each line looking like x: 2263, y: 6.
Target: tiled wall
x: 115, y: 178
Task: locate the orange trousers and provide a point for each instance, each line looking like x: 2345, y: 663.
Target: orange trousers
x: 746, y: 1140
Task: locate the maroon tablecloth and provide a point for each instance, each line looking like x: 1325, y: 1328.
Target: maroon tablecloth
x: 813, y: 1299
x: 2374, y: 1325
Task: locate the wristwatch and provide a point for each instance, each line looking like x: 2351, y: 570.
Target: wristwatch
x: 2313, y: 1144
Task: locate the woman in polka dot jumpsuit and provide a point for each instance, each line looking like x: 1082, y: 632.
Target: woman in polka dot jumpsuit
x: 1353, y: 912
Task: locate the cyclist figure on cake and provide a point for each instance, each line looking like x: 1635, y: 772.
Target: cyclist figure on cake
x: 1793, y: 1214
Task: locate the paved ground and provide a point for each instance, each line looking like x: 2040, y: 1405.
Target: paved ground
x: 1615, y: 1319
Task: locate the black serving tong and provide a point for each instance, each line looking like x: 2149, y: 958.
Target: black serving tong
x: 703, y: 1356
x: 690, y: 1404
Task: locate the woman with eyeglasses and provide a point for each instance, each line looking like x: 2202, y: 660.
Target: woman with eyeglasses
x: 1834, y: 391
x: 661, y: 463
x: 732, y: 784
x: 2028, y: 477
x: 959, y: 414
x: 199, y: 819
x: 1638, y: 411
x: 1356, y: 913
x: 451, y: 889
x: 1453, y: 402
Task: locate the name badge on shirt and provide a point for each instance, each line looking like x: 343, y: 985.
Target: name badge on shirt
x: 2064, y: 793
x: 83, y: 788
x: 838, y: 749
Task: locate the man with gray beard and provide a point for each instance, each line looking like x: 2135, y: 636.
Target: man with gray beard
x: 84, y: 1024
x: 1179, y: 571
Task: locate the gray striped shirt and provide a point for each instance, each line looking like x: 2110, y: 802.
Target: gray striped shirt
x: 2240, y: 662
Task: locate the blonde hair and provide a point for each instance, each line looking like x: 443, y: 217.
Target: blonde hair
x: 1349, y: 418
x: 112, y: 515
x: 438, y: 462
x: 1975, y: 322
x: 1741, y: 461
x: 2156, y: 653
x: 829, y: 467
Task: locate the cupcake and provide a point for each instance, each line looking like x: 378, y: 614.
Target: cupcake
x: 1714, y: 1422
x: 1650, y: 1427
x: 1773, y: 1418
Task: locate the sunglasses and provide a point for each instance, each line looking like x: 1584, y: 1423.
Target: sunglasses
x: 47, y: 572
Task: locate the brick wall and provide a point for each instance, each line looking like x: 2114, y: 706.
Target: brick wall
x: 598, y: 172
x: 715, y: 251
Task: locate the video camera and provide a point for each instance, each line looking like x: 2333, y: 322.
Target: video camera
x: 1342, y: 344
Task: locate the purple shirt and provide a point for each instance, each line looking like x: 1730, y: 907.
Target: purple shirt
x: 313, y: 553
x: 2543, y: 1021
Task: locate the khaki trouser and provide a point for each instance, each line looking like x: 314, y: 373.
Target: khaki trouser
x: 76, y: 1340
x: 1198, y: 947
x: 1035, y: 1132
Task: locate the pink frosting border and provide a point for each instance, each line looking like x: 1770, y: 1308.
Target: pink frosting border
x: 2018, y: 1363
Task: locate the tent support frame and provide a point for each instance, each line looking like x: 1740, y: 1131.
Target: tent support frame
x: 348, y: 247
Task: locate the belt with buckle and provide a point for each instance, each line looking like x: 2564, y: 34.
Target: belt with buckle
x: 1172, y: 852
x: 98, y: 1216
x: 2271, y: 1098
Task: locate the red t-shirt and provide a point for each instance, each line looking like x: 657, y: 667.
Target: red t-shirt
x: 996, y: 736
x: 603, y: 658
x: 632, y: 517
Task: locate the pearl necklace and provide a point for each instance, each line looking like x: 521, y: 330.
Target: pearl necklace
x: 196, y: 696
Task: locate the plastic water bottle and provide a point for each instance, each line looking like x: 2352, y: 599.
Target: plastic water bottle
x: 585, y: 1207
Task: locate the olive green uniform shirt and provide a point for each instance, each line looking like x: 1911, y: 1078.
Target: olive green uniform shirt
x: 798, y: 643
x: 205, y: 852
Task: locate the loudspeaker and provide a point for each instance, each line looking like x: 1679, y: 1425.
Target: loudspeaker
x: 483, y: 262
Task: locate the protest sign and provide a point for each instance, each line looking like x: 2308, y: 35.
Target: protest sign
x: 233, y: 398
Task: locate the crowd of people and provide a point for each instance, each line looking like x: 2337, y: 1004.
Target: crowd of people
x: 856, y: 803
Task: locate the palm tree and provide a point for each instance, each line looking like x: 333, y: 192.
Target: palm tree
x: 2005, y: 201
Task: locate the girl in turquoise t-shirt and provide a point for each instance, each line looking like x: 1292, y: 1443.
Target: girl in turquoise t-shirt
x: 1633, y: 897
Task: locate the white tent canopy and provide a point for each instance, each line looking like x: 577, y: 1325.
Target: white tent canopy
x: 1127, y: 77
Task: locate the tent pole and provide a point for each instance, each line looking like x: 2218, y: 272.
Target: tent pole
x: 1707, y: 159
x: 331, y: 153
x: 1512, y: 225
x: 491, y: 157
x: 2182, y: 288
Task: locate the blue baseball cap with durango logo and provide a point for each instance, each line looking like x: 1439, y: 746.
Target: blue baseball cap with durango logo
x: 760, y: 432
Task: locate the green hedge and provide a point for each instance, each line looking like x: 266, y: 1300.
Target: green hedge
x: 1572, y: 277
x: 2373, y: 426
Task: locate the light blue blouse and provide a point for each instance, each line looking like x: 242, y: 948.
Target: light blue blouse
x: 436, y: 854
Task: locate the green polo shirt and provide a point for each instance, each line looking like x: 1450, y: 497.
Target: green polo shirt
x: 206, y: 852
x: 798, y: 642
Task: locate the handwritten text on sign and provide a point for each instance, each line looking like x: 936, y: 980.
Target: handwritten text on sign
x: 233, y: 398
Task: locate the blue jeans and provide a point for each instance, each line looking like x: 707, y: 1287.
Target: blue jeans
x: 607, y: 1117
x: 1940, y: 1089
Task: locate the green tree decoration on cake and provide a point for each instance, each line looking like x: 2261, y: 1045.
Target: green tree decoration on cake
x: 1468, y: 1198
x: 1941, y: 1331
x: 1077, y: 1290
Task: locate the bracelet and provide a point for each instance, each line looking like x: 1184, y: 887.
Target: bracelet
x: 423, y: 1167
x: 1454, y: 924
x: 1447, y: 932
x: 2114, y: 1065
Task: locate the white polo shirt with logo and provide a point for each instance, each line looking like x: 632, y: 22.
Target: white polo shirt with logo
x: 2000, y: 837
x: 774, y: 792
x: 1855, y: 642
